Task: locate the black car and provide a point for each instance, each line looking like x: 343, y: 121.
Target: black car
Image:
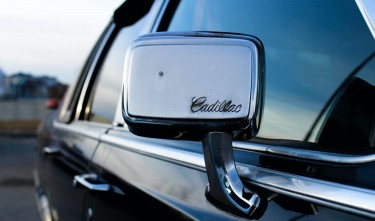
x: 218, y: 110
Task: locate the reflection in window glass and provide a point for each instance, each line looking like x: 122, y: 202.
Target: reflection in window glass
x: 348, y: 121
x: 109, y: 82
x: 311, y: 47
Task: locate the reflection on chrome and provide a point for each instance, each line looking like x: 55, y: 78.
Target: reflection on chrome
x: 347, y: 198
x: 306, y: 154
x: 351, y: 199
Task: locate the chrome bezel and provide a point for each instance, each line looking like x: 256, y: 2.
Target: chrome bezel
x: 182, y: 128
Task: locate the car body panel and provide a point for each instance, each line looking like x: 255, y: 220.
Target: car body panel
x: 160, y: 179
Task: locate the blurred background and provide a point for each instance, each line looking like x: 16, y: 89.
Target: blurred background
x: 43, y: 45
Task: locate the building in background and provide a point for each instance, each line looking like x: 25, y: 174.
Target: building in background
x: 3, y: 84
x: 27, y: 86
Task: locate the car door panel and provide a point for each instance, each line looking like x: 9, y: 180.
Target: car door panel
x: 74, y: 146
x: 165, y: 179
x: 301, y: 172
x: 172, y: 172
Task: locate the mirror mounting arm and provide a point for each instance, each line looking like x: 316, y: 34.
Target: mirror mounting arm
x: 225, y: 187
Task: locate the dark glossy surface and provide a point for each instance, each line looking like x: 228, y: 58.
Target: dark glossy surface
x: 167, y: 182
x: 318, y: 53
x: 354, y: 175
x: 57, y: 170
x: 133, y: 205
x: 310, y: 48
x: 183, y: 187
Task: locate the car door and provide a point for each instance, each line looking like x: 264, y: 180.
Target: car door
x: 106, y: 199
x: 66, y: 144
x: 68, y: 141
x: 315, y: 123
x: 314, y: 152
x: 298, y: 163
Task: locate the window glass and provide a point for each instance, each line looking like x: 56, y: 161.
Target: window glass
x: 108, y: 85
x: 348, y: 120
x: 311, y: 48
x: 72, y: 95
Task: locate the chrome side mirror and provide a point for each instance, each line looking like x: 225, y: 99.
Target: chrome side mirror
x: 201, y: 86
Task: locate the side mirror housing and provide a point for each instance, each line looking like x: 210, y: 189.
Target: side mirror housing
x: 183, y: 85
x: 204, y: 86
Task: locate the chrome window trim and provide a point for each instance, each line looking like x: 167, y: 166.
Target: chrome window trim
x: 344, y: 197
x: 150, y: 25
x: 368, y: 14
x: 160, y: 15
x: 157, y: 8
x: 61, y: 115
x: 306, y: 154
x: 91, y: 71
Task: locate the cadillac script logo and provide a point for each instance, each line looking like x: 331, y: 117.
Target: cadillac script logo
x: 200, y: 105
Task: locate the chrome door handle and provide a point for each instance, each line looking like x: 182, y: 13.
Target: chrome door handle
x: 51, y: 150
x: 224, y: 185
x: 91, y: 182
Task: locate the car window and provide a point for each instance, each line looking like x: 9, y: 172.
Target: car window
x: 108, y: 84
x: 311, y: 48
x: 348, y: 119
x: 71, y: 97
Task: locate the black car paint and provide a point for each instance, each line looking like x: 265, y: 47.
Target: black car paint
x: 160, y: 188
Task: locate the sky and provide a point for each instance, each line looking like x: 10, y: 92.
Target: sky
x: 45, y: 37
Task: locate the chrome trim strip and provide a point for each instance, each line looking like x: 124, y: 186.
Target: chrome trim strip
x: 79, y: 128
x: 306, y: 154
x: 158, y: 149
x: 346, y: 198
x: 322, y: 156
x: 367, y: 13
x: 249, y: 146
